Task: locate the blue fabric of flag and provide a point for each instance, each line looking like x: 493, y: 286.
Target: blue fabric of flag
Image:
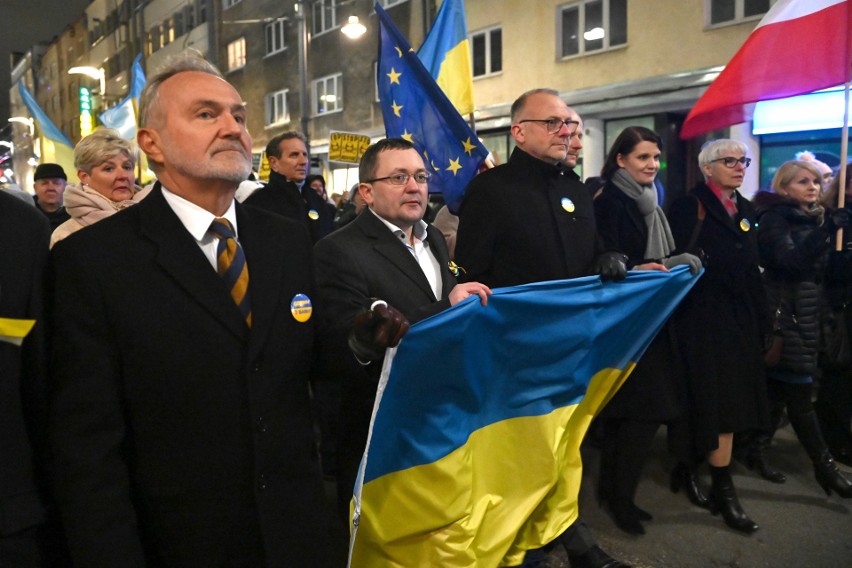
x: 122, y: 117
x: 415, y: 108
x: 46, y: 126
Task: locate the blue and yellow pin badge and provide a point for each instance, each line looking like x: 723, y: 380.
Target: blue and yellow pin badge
x: 745, y: 225
x: 455, y: 269
x: 313, y: 214
x: 567, y: 205
x: 301, y: 308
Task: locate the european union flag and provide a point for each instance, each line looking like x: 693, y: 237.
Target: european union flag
x: 473, y: 456
x: 415, y: 108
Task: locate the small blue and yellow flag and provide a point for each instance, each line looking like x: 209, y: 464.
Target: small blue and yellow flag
x: 56, y: 148
x: 473, y: 456
x: 123, y: 116
x: 415, y: 108
x: 446, y: 54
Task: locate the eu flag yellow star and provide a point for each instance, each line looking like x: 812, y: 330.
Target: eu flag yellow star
x: 455, y: 166
x: 396, y: 108
x: 406, y: 135
x: 468, y: 147
x: 399, y: 51
x: 394, y: 76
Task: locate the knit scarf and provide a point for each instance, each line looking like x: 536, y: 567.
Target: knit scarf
x: 660, y: 241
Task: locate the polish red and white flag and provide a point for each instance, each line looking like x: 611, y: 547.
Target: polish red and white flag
x: 800, y: 46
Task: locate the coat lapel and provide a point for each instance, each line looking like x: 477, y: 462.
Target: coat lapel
x: 437, y: 245
x: 389, y: 246
x: 179, y: 256
x: 264, y: 253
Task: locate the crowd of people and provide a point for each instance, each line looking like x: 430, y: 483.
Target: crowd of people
x: 186, y: 342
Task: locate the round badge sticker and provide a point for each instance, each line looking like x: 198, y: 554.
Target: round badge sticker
x: 745, y: 225
x: 567, y: 205
x: 313, y: 214
x: 301, y: 308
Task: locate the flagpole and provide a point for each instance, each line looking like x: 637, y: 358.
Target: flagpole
x: 844, y: 150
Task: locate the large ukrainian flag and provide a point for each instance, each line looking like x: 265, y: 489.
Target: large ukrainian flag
x: 474, y: 451
x: 56, y: 148
x: 446, y: 54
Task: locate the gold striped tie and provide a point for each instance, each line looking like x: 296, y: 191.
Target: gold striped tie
x: 231, y: 265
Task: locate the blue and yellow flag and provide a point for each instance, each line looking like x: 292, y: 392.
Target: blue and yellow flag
x: 55, y: 147
x: 122, y: 117
x: 415, y: 108
x: 474, y: 450
x: 446, y: 54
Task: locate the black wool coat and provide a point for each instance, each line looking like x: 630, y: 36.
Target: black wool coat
x: 284, y: 198
x: 722, y: 321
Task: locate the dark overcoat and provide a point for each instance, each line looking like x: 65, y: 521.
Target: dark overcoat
x: 722, y: 321
x: 182, y: 438
x: 306, y: 207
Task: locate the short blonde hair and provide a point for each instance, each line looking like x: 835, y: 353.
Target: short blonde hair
x: 787, y: 172
x: 100, y: 146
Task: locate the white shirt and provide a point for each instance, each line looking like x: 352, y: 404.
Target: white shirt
x: 421, y: 252
x: 197, y: 221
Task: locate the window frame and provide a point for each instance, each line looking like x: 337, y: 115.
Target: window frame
x: 487, y: 34
x: 269, y: 100
x: 739, y: 18
x: 280, y: 23
x: 237, y: 55
x: 321, y: 5
x: 581, y: 5
x: 390, y: 3
x: 229, y: 3
x: 337, y: 78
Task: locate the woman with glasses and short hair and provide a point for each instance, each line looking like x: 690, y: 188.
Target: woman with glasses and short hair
x: 721, y: 324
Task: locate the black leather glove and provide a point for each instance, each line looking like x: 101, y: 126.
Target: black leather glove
x: 836, y: 219
x: 611, y: 266
x: 376, y: 329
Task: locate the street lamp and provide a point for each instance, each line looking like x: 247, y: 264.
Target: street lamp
x: 354, y: 28
x: 95, y: 73
x: 25, y: 120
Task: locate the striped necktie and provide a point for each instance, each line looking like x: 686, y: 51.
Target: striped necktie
x: 231, y: 265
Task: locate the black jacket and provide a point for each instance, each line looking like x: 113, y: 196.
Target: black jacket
x: 284, y: 198
x: 792, y: 247
x: 526, y: 221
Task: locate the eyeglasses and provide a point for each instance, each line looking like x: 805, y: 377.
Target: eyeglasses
x: 402, y: 178
x: 554, y: 125
x: 732, y: 162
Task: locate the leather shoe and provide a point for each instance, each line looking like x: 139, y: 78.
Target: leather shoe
x: 595, y: 557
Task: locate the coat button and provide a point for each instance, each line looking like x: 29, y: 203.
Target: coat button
x: 261, y: 482
x: 260, y: 424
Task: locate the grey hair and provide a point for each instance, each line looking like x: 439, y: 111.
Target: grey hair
x: 187, y: 60
x: 714, y: 149
x: 521, y: 101
x: 100, y: 146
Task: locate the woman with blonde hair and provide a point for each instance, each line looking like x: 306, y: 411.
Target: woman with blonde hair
x: 793, y: 234
x: 105, y: 165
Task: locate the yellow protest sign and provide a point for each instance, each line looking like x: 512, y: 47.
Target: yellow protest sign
x: 347, y: 147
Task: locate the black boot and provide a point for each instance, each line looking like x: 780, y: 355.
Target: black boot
x: 826, y: 472
x: 684, y: 477
x: 755, y: 458
x: 723, y: 499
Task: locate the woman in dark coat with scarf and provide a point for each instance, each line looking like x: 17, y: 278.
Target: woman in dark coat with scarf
x: 793, y: 238
x: 630, y: 220
x: 721, y: 324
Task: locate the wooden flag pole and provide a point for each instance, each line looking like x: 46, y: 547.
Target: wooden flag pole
x: 844, y: 150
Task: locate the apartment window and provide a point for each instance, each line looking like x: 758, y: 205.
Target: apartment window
x: 202, y: 11
x: 325, y: 15
x: 592, y: 25
x: 276, y: 108
x: 179, y: 29
x: 328, y: 94
x: 736, y: 11
x: 275, y: 38
x: 228, y: 3
x: 189, y: 17
x: 237, y: 54
x: 487, y: 49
